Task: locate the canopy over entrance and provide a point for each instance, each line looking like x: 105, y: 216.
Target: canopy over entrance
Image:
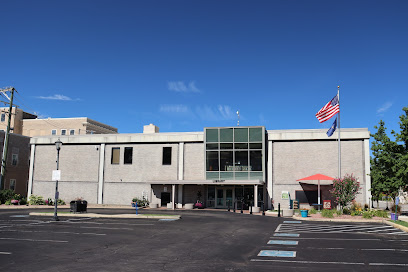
x: 317, y: 178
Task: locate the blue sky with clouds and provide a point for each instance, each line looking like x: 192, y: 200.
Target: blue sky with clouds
x: 185, y: 65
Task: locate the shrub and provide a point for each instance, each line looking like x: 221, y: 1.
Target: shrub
x: 8, y: 202
x: 345, y: 190
x: 60, y: 202
x: 313, y: 211
x: 328, y: 213
x: 380, y: 213
x: 346, y: 211
x: 339, y: 212
x: 393, y: 209
x: 355, y: 213
x: 367, y: 215
x: 140, y: 202
x: 6, y: 195
x: 23, y: 201
x: 36, y: 200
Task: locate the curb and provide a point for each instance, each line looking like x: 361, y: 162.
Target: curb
x: 398, y: 226
x: 96, y: 215
x: 341, y: 220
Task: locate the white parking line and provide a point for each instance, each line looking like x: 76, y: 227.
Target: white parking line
x: 59, y: 232
x: 303, y: 262
x: 106, y: 228
x: 33, y: 240
x: 5, y: 253
x: 346, y: 239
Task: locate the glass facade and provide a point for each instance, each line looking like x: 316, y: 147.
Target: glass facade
x: 235, y: 153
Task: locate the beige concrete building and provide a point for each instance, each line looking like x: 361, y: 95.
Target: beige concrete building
x: 17, y: 166
x: 219, y: 166
x: 17, y: 118
x: 27, y: 124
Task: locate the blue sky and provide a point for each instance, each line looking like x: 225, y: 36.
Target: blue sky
x: 186, y: 65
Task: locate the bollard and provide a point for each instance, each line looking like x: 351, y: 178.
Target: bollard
x: 242, y: 206
x: 250, y: 208
x: 229, y: 202
x: 278, y: 209
x: 263, y: 208
x: 136, y: 207
x: 235, y: 205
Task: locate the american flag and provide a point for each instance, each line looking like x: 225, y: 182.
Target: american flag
x: 329, y: 110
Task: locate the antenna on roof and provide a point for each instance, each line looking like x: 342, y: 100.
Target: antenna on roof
x: 238, y: 117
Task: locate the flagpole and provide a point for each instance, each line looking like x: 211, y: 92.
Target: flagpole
x: 338, y: 127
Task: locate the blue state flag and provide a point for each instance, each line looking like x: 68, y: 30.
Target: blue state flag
x: 332, y: 129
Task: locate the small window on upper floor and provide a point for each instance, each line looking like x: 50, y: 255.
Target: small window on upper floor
x: 72, y: 132
x: 54, y: 132
x: 63, y: 132
x: 128, y: 157
x: 14, y: 160
x: 166, y: 155
x: 12, y: 185
x: 3, y: 117
x: 115, y: 155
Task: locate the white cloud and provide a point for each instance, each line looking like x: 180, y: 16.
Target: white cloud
x: 174, y: 108
x: 57, y: 97
x: 384, y: 107
x: 222, y: 112
x: 181, y: 87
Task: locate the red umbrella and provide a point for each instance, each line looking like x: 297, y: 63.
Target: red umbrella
x: 317, y: 177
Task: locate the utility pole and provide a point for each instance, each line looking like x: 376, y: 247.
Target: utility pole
x: 7, y: 134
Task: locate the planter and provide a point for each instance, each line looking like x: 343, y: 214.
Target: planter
x: 256, y: 209
x: 304, y: 213
x: 394, y: 216
x: 133, y: 204
x: 154, y: 205
x: 189, y: 206
x: 78, y: 206
x: 287, y: 212
x: 170, y: 205
x: 199, y: 205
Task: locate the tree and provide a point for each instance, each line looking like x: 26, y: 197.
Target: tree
x: 402, y: 162
x: 383, y: 170
x: 345, y: 190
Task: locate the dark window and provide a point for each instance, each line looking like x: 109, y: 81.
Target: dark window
x: 309, y: 197
x: 166, y: 155
x: 128, y: 155
x: 3, y: 117
x: 115, y: 155
x: 212, y: 161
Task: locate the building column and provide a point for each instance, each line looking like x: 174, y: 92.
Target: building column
x: 173, y: 194
x: 255, y: 195
x: 367, y: 172
x: 180, y: 196
x: 270, y: 176
x: 180, y: 175
x: 31, y: 172
x: 101, y: 172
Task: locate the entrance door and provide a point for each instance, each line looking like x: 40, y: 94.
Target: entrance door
x: 165, y: 198
x: 224, y: 196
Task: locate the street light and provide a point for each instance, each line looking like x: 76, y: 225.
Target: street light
x: 58, y: 144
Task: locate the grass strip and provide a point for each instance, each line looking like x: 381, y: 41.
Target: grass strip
x: 400, y: 222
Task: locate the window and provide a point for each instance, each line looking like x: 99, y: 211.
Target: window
x: 128, y: 155
x: 54, y: 132
x: 63, y: 132
x: 72, y: 132
x: 14, y: 160
x: 115, y: 155
x: 12, y: 185
x: 166, y: 155
x: 3, y: 117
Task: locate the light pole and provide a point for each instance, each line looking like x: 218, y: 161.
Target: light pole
x: 58, y: 144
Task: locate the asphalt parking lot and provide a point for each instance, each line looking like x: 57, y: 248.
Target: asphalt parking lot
x: 200, y: 241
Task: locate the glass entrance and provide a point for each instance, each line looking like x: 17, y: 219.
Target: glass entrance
x: 224, y: 197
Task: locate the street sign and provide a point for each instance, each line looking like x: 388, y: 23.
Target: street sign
x: 56, y: 175
x: 397, y: 201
